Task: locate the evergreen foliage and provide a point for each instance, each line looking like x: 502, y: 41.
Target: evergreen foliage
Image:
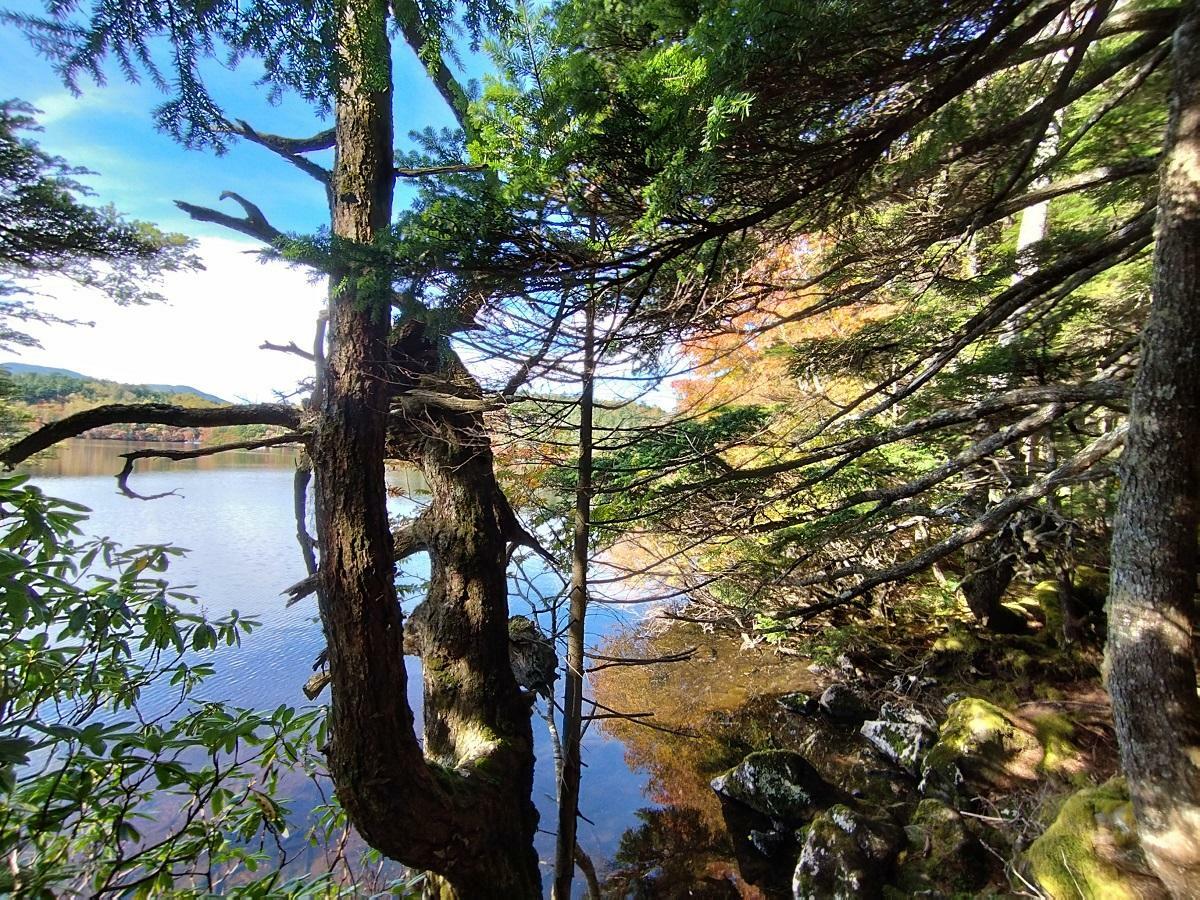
x: 49, y: 230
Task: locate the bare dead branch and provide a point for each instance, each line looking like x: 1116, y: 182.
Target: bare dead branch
x: 448, y: 169
x: 615, y: 661
x: 323, y: 140
x: 289, y: 347
x: 290, y: 148
x: 300, y: 484
x: 254, y: 224
x: 293, y: 437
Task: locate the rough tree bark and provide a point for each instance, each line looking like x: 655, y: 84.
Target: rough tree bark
x: 466, y: 814
x: 477, y: 720
x: 1152, y: 599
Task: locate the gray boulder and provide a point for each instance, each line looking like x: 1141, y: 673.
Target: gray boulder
x: 901, y: 743
x: 778, y: 784
x: 842, y: 703
x: 847, y: 855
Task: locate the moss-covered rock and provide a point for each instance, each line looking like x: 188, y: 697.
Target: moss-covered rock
x: 958, y: 640
x: 778, y: 784
x: 902, y: 743
x: 1060, y: 757
x: 847, y: 855
x: 1050, y: 602
x: 941, y: 857
x: 983, y: 744
x: 1063, y: 614
x: 1091, y: 851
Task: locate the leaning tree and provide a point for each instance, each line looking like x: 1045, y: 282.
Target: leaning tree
x: 388, y: 384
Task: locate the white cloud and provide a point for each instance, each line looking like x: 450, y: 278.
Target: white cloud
x: 57, y: 106
x: 206, y: 335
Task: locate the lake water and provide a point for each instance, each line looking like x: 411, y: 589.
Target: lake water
x: 233, y: 513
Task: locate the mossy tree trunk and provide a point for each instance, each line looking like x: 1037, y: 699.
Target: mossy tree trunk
x: 1152, y: 611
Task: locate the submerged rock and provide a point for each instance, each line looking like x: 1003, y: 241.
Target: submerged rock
x: 847, y: 855
x: 942, y: 858
x: 800, y: 703
x: 778, y: 784
x: 842, y: 703
x: 1092, y: 850
x: 981, y: 743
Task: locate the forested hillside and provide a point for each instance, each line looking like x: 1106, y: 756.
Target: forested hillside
x: 36, y: 396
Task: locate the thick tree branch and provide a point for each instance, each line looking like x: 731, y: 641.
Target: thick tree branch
x: 323, y: 140
x: 1160, y: 20
x: 993, y: 519
x: 1083, y: 181
x: 416, y: 399
x: 407, y: 540
x: 449, y: 169
x: 148, y: 414
x: 516, y: 533
x: 290, y: 148
x: 416, y: 35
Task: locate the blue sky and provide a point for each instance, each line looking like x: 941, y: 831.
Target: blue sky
x: 224, y: 313
x: 110, y: 130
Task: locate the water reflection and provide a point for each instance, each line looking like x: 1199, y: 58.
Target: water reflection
x: 680, y: 847
x: 84, y: 456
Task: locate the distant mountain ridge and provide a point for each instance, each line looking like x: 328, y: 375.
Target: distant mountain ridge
x: 16, y: 368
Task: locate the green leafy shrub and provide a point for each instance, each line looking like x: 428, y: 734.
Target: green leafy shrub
x: 99, y: 793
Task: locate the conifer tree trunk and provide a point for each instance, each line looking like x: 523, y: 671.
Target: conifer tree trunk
x: 1152, y: 613
x: 466, y: 813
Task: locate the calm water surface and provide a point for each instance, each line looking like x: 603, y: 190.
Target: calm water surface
x: 233, y: 514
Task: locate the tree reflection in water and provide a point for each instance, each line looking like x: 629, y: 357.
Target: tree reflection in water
x: 722, y: 698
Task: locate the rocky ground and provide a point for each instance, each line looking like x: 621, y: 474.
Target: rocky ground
x: 985, y: 770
